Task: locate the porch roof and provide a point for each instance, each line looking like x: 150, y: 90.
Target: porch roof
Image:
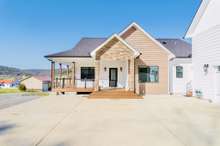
x: 82, y: 49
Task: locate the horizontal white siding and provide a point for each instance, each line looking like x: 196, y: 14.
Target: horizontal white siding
x: 206, y: 50
x: 180, y: 85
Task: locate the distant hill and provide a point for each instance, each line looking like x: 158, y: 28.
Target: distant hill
x: 4, y: 70
x: 10, y: 72
x: 36, y: 72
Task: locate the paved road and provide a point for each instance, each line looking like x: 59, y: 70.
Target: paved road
x: 8, y: 100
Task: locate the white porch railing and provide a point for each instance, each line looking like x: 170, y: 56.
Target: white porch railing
x: 70, y: 83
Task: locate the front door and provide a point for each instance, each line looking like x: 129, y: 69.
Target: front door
x: 113, y: 77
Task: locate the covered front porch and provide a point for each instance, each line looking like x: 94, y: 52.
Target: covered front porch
x: 72, y: 75
x: 115, y: 65
x: 81, y: 76
x: 110, y: 66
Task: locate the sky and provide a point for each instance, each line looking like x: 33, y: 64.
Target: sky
x: 31, y: 29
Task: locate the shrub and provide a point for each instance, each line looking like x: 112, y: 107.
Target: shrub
x: 22, y: 87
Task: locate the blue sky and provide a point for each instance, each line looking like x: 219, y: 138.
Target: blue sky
x: 30, y: 29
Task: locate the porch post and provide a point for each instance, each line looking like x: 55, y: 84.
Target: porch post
x: 68, y: 75
x: 60, y: 74
x: 73, y: 73
x: 131, y: 75
x: 60, y: 71
x: 97, y: 70
x: 68, y: 70
x: 52, y: 72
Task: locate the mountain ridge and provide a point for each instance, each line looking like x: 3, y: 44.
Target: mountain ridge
x: 14, y: 72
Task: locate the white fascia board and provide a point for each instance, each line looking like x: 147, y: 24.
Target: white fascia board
x: 69, y: 60
x: 199, y: 14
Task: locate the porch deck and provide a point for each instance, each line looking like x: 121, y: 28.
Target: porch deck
x: 114, y: 94
x: 73, y: 89
x: 70, y: 85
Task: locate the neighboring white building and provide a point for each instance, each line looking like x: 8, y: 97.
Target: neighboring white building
x: 205, y: 34
x: 37, y: 83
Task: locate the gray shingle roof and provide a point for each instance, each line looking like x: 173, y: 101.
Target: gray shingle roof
x: 180, y: 48
x: 82, y: 49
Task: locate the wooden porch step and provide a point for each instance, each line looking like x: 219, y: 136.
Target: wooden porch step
x: 117, y: 94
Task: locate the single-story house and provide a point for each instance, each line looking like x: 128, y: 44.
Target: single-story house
x: 41, y: 83
x: 205, y: 34
x: 132, y: 60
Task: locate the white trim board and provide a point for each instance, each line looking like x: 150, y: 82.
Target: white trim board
x: 199, y: 14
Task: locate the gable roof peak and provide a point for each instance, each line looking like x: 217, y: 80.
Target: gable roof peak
x: 136, y: 53
x: 197, y: 18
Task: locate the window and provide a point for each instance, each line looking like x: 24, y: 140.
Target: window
x: 87, y: 73
x: 179, y: 72
x: 149, y: 74
x: 218, y: 68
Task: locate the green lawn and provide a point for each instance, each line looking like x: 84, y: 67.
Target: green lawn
x: 10, y: 90
x: 28, y: 92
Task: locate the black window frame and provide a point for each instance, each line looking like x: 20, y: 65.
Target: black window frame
x: 179, y: 74
x: 218, y: 68
x: 89, y: 74
x: 148, y: 73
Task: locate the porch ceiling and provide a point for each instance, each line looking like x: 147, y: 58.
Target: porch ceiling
x: 69, y: 61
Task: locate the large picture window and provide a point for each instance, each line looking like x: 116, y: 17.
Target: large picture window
x: 87, y: 73
x: 179, y: 72
x: 148, y: 74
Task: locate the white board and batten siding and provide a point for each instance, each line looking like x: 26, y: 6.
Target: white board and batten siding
x: 180, y: 85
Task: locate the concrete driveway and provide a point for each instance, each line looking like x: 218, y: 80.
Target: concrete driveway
x: 77, y: 121
x: 8, y: 100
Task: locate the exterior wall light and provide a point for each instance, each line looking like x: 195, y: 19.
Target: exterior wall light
x: 205, y: 68
x: 121, y: 68
x: 105, y: 69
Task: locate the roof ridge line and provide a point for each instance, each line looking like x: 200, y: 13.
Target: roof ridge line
x: 94, y: 38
